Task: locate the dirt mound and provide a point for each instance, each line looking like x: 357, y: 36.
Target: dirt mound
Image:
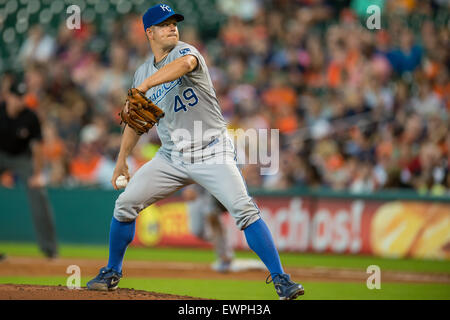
x: 32, y: 292
x: 24, y: 266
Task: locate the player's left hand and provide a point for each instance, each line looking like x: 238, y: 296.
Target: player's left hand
x: 139, y: 112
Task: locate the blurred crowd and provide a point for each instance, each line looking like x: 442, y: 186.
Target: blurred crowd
x: 357, y: 109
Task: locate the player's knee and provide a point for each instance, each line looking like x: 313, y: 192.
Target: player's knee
x: 124, y: 215
x: 246, y: 219
x: 126, y: 209
x: 245, y: 213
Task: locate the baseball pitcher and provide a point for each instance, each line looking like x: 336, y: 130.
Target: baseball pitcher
x: 173, y: 90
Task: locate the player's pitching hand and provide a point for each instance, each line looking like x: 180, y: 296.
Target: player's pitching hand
x: 121, y: 169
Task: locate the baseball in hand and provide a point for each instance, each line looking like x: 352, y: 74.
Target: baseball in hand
x: 121, y: 182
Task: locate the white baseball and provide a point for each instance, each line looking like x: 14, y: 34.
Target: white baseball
x: 121, y: 182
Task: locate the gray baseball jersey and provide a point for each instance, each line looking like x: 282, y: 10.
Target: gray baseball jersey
x: 192, y: 133
x: 193, y: 118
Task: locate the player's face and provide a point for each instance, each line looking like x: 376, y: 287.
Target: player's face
x: 166, y: 33
x: 14, y: 103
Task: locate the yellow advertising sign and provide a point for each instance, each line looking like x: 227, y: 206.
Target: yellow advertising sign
x: 411, y: 229
x: 158, y: 223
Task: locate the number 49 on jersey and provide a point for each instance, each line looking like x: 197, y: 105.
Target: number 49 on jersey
x: 188, y: 97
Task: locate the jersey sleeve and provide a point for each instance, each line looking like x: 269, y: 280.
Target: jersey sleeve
x: 187, y: 49
x: 134, y: 84
x: 139, y: 75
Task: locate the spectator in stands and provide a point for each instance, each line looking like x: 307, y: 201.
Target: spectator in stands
x: 340, y: 94
x: 38, y: 47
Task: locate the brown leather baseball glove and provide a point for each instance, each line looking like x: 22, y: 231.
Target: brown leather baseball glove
x: 139, y: 112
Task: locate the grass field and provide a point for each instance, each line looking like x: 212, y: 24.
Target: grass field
x: 249, y: 289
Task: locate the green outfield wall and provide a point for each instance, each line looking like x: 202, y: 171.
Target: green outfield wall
x: 300, y: 219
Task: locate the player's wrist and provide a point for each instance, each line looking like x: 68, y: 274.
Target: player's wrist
x: 122, y: 158
x: 143, y: 88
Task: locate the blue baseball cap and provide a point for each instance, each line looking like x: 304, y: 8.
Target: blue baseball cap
x: 158, y: 14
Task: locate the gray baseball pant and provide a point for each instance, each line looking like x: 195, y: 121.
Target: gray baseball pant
x: 162, y: 176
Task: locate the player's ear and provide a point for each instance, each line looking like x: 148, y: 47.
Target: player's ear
x: 149, y: 33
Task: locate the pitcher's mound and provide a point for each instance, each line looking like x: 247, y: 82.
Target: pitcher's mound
x: 34, y: 292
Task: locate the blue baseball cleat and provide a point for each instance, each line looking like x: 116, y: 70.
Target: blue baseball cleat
x: 106, y: 280
x: 285, y: 287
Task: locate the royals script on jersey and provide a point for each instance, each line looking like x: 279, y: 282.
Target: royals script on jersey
x: 193, y: 119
